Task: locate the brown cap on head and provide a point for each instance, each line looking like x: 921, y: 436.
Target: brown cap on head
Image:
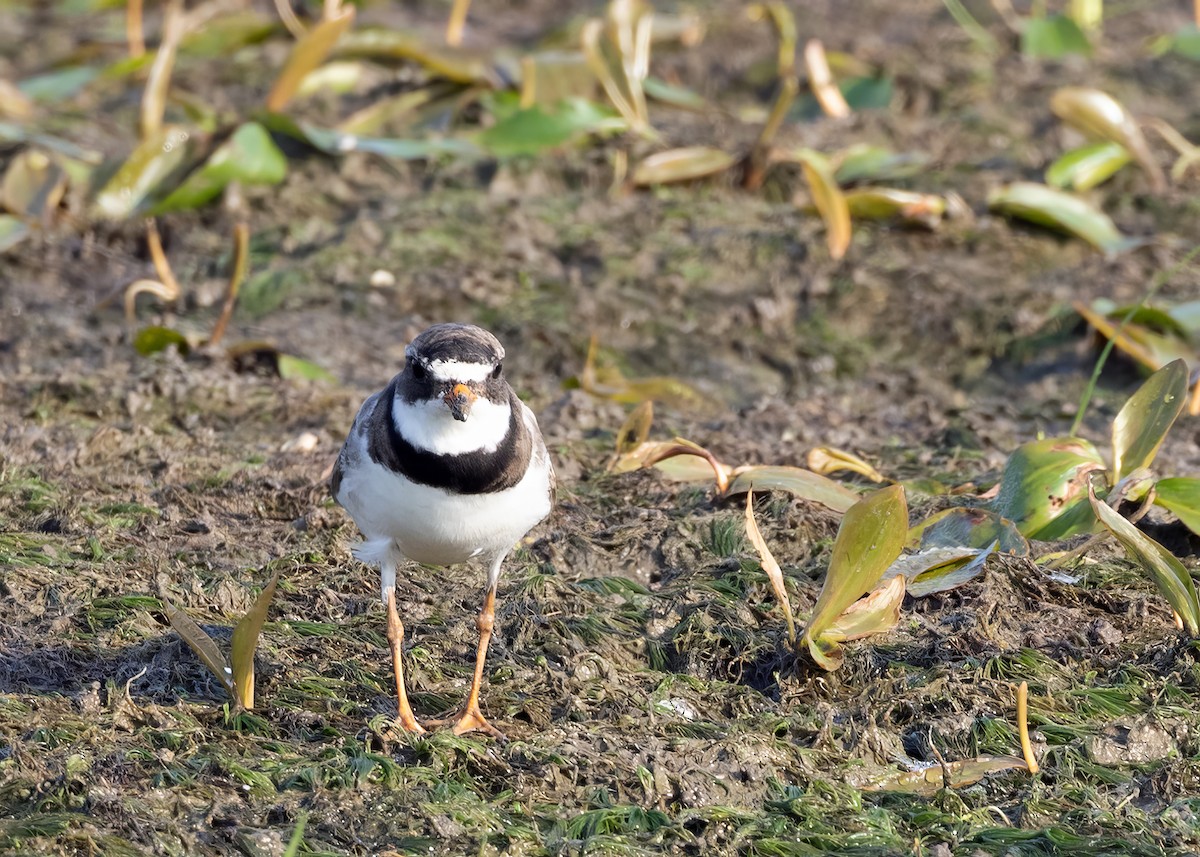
x: 465, y: 343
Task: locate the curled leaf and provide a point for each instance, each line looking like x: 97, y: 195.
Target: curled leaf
x: 291, y: 368
x: 459, y: 65
x: 796, y: 481
x: 827, y: 459
x: 150, y: 340
x: 876, y: 613
x: 938, y: 569
x: 1053, y: 37
x: 771, y: 567
x: 681, y: 459
x: 820, y: 78
x: 1138, y: 338
x: 534, y: 129
x: 610, y: 383
x: 1101, y: 116
x: 826, y: 196
x: 865, y: 162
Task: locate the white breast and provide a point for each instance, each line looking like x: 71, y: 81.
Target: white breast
x: 430, y: 426
x: 432, y: 526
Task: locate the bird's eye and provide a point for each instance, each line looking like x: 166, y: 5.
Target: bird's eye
x: 418, y: 371
x: 496, y: 372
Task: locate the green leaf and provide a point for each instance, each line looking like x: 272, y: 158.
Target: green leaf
x: 148, y: 167
x: 1053, y: 37
x: 266, y: 291
x: 1186, y: 42
x: 676, y: 96
x: 10, y: 132
x: 865, y: 162
x: 1045, y: 485
x: 245, y: 641
x: 201, y: 643
x: 535, y: 129
x: 1169, y: 574
x: 58, y: 85
x: 225, y: 34
x: 293, y: 367
x: 868, y: 541
x: 1087, y: 166
x: 249, y: 156
x: 867, y: 93
x: 1102, y: 117
x: 333, y: 142
x: 150, y: 340
x: 1059, y: 210
x: 796, y: 481
x: 1180, y: 495
x: 13, y: 230
x: 861, y: 93
x: 1144, y: 420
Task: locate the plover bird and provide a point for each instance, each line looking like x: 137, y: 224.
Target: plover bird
x: 444, y: 465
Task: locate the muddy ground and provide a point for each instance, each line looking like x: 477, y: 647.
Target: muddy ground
x: 640, y: 665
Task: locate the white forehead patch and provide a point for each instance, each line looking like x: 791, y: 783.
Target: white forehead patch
x: 456, y: 370
x: 430, y: 426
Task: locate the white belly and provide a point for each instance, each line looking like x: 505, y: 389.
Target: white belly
x: 432, y: 526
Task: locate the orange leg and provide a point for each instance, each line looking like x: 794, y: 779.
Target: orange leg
x: 470, y: 718
x: 395, y: 632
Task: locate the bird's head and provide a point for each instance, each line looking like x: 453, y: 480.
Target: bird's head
x: 458, y: 365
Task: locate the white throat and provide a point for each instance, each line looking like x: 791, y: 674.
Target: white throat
x: 430, y: 426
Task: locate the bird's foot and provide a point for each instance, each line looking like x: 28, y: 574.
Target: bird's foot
x: 470, y: 720
x: 408, y: 723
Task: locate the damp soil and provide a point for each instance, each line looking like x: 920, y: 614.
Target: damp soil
x: 640, y: 665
